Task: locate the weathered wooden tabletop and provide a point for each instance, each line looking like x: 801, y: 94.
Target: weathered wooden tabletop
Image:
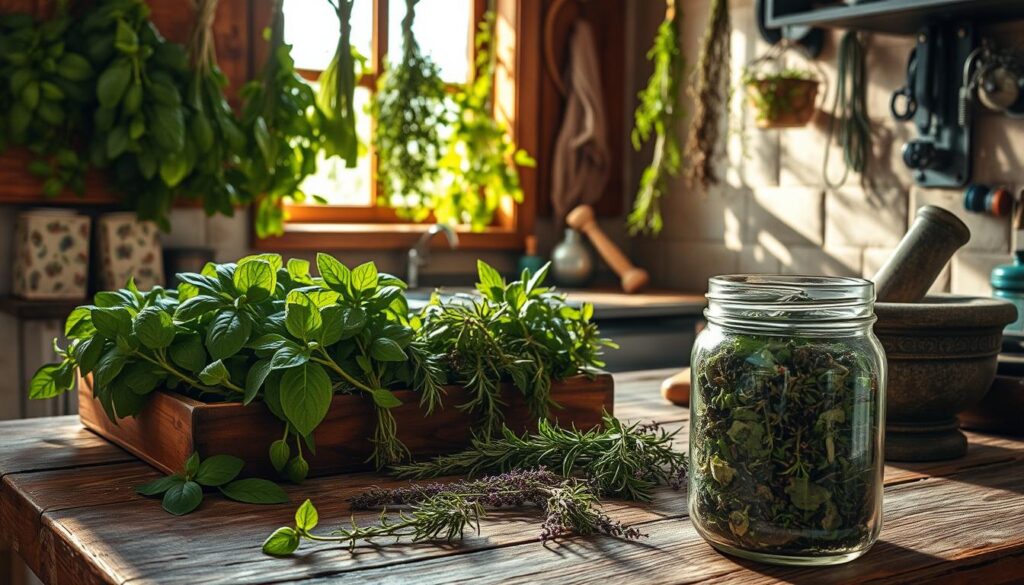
x: 68, y: 508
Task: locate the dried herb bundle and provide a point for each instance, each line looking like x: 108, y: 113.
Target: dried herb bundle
x: 445, y: 510
x: 709, y: 92
x: 409, y: 109
x: 660, y: 112
x: 619, y: 460
x: 782, y: 444
x: 336, y: 98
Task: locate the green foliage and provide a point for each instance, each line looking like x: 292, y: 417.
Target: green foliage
x: 785, y: 459
x: 410, y: 107
x: 283, y: 124
x: 659, y: 113
x: 260, y: 329
x: 335, y: 99
x: 47, y: 86
x: 481, y: 158
x: 183, y: 492
x: 521, y: 332
x: 443, y: 511
x: 620, y: 460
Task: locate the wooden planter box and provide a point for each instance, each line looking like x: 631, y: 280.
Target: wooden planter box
x: 172, y: 426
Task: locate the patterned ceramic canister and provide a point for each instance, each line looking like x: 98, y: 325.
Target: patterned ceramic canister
x: 51, y: 255
x: 129, y: 248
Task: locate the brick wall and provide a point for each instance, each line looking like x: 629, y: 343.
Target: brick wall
x: 774, y: 214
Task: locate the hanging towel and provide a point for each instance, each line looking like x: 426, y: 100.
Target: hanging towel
x: 580, y: 166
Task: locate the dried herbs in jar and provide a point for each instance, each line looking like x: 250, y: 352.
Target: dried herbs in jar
x: 786, y: 427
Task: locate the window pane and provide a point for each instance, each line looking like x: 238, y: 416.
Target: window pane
x: 336, y: 183
x: 311, y: 27
x: 442, y: 28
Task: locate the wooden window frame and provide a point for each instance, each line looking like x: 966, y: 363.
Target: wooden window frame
x: 516, y: 102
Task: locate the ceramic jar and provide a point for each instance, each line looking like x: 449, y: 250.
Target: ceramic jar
x: 129, y: 248
x: 51, y: 255
x: 571, y: 262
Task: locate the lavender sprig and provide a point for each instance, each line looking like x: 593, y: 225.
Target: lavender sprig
x: 444, y: 510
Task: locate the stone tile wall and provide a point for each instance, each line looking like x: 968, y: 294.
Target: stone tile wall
x: 774, y: 214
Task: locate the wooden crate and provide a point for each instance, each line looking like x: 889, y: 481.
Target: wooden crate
x: 172, y: 426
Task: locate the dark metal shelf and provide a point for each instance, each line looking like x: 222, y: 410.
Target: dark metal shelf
x: 901, y: 17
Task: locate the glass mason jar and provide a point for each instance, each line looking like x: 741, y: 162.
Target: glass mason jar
x: 787, y: 419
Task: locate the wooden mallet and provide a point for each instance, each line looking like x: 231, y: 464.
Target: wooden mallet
x: 582, y: 220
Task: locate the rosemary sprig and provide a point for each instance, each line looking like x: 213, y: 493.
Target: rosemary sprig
x: 619, y: 460
x: 445, y: 510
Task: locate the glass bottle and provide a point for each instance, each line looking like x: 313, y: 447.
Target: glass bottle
x: 787, y: 419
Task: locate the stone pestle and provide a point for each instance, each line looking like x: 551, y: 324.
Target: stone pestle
x: 910, y: 271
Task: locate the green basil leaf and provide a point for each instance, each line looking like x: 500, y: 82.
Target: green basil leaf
x: 188, y: 353
x: 280, y: 452
x: 491, y: 284
x: 305, y: 396
x: 192, y: 465
x: 113, y: 82
x: 126, y: 401
x: 298, y: 469
x: 89, y: 352
x: 387, y: 350
x: 74, y: 67
x: 333, y: 328
x: 154, y: 328
x: 298, y: 270
x: 283, y: 542
x: 365, y: 277
x: 141, y: 377
x: 255, y: 491
x: 206, y: 284
x: 384, y: 398
x: 180, y: 499
x: 79, y: 322
x: 254, y: 379
x: 275, y: 261
x: 197, y: 306
x: 159, y: 486
x: 44, y: 383
x: 269, y: 342
x: 354, y: 321
x: 214, y: 374
x: 112, y: 322
x: 125, y: 39
x: 289, y: 356
x: 335, y: 274
x: 218, y: 470
x: 302, y: 317
x: 306, y: 517
x: 109, y: 366
x: 256, y: 279
x: 228, y: 333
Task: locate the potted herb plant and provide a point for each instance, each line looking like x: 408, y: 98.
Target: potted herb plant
x: 783, y: 97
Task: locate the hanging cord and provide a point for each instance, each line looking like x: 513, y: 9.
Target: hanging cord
x: 202, y: 50
x: 849, y: 125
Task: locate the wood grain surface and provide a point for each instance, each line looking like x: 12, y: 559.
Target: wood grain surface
x: 68, y: 508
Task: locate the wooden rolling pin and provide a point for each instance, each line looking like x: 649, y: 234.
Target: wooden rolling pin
x: 922, y: 253
x: 633, y: 279
x: 676, y: 389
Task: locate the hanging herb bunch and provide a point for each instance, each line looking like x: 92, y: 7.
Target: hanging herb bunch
x: 139, y: 121
x: 481, y: 157
x: 659, y: 113
x: 215, y: 139
x: 283, y: 123
x: 336, y: 96
x: 48, y: 85
x: 410, y: 107
x: 710, y: 92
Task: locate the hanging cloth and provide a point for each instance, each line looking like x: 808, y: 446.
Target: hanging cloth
x: 580, y: 166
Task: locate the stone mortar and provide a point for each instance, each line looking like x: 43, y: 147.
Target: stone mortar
x: 941, y: 355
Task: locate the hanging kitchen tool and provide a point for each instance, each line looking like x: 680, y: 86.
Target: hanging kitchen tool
x: 941, y: 154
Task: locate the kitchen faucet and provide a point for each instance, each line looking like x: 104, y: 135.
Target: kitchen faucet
x: 420, y: 253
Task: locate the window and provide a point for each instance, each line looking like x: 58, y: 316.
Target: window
x: 444, y: 29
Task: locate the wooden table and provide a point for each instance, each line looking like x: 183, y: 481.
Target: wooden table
x: 67, y: 507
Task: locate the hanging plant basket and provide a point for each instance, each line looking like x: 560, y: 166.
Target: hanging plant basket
x: 780, y: 99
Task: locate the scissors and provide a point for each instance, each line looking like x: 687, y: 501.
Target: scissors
x: 904, y: 103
